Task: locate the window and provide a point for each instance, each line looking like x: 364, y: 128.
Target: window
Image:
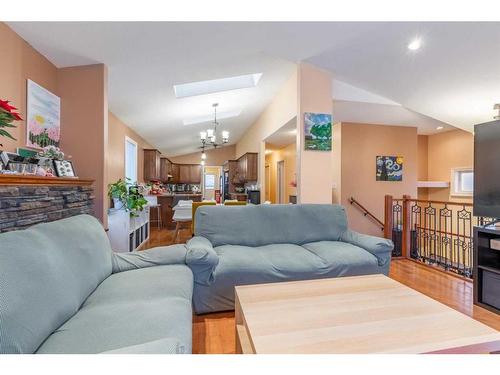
x: 462, y: 181
x: 209, y: 181
x: 131, y: 159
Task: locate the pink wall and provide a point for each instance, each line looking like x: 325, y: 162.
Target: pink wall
x: 360, y: 145
x: 84, y: 132
x: 315, y: 172
x: 19, y: 62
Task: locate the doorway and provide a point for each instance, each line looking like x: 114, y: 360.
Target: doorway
x: 211, y: 181
x: 281, y: 181
x: 268, y: 183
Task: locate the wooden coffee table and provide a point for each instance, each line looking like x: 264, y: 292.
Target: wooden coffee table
x: 362, y: 314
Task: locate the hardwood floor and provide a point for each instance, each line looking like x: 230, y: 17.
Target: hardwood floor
x: 214, y: 333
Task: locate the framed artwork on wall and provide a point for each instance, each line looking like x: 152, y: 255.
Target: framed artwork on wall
x: 389, y: 168
x: 43, y: 125
x: 317, y: 131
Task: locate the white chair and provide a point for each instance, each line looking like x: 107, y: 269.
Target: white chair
x: 181, y: 215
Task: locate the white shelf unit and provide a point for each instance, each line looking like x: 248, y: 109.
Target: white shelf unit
x: 127, y: 233
x: 433, y: 184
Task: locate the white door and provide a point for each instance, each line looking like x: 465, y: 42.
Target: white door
x: 131, y: 160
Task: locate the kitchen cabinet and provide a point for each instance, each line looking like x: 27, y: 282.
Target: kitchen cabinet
x: 247, y: 167
x: 184, y: 173
x: 165, y: 169
x: 175, y: 172
x: 195, y: 174
x: 189, y: 174
x: 151, y: 165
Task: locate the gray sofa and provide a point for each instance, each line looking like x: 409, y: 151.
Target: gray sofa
x: 242, y: 245
x: 62, y: 290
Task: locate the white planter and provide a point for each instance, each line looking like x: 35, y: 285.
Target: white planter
x: 117, y: 203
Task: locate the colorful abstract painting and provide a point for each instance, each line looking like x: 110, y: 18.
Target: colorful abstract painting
x: 43, y: 117
x: 317, y: 131
x: 389, y: 168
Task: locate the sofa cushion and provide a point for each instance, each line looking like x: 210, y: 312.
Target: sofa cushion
x: 241, y: 265
x: 128, y: 309
x: 344, y: 259
x: 46, y: 273
x: 258, y: 225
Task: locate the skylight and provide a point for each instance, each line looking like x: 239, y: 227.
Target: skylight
x: 210, y: 117
x: 216, y: 85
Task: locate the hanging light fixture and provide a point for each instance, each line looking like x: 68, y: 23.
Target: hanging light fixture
x: 209, y: 137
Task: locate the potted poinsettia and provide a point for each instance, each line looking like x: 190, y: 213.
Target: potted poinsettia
x: 8, y: 115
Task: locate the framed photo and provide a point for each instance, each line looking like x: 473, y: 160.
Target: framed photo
x: 43, y: 121
x: 64, y: 168
x: 317, y: 132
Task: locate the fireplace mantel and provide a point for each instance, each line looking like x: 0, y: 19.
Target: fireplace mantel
x: 12, y: 179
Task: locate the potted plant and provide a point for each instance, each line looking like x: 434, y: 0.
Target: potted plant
x: 126, y: 197
x: 118, y: 192
x: 7, y: 117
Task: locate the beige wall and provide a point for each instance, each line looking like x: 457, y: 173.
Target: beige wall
x: 451, y: 149
x: 361, y: 144
x: 115, y: 161
x: 19, y: 62
x: 84, y: 130
x: 281, y: 110
x: 214, y: 156
x: 337, y: 163
x: 315, y: 174
x: 422, y: 164
x: 289, y: 155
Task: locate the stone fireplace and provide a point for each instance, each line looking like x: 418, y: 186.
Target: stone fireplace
x: 25, y: 201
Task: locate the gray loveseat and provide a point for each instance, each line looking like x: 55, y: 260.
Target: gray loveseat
x: 62, y: 290
x: 242, y: 245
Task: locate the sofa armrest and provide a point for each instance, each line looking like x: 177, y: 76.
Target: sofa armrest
x: 381, y: 248
x: 163, y: 255
x: 202, y: 259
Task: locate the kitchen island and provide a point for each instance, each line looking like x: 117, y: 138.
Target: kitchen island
x: 169, y: 200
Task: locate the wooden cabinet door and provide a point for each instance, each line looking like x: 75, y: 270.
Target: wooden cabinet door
x: 242, y: 167
x: 184, y: 174
x: 164, y: 169
x: 252, y: 167
x: 195, y: 174
x: 175, y: 172
x: 151, y: 165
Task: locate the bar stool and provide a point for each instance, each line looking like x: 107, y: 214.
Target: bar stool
x: 157, y: 209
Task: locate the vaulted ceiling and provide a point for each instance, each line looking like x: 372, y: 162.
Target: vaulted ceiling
x: 453, y: 80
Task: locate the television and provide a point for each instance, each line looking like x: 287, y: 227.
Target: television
x: 487, y: 169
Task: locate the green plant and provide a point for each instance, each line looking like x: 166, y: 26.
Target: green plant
x: 118, y: 190
x: 130, y: 197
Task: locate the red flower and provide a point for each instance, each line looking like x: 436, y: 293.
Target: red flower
x: 5, y: 105
x: 16, y: 116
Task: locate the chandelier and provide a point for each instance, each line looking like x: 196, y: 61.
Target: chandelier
x: 209, y: 137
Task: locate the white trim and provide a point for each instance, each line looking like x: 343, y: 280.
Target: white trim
x: 453, y: 191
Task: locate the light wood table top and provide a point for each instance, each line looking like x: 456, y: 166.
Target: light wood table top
x: 361, y: 314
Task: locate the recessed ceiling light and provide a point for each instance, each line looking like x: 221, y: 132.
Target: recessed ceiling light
x: 210, y: 117
x: 217, y: 85
x: 415, y: 44
x: 440, y: 128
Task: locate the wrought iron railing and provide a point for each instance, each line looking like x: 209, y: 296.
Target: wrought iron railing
x: 439, y: 233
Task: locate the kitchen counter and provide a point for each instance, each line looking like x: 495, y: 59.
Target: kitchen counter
x: 168, y: 200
